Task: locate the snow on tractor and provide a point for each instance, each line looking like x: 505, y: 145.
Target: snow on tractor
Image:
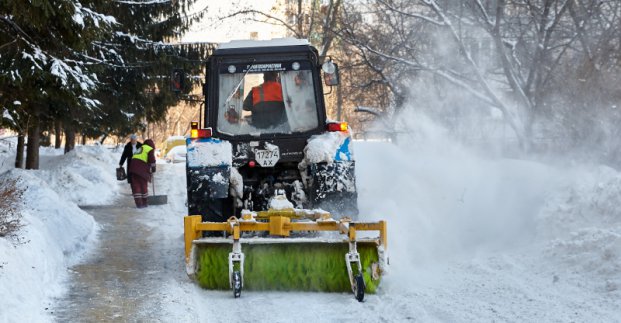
x: 271, y: 182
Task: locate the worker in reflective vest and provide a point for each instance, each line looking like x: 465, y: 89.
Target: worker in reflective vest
x: 141, y: 168
x: 266, y: 103
x: 130, y: 149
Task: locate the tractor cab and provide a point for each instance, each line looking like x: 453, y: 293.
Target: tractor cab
x: 265, y: 89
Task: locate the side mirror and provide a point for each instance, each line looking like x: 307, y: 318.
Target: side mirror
x: 330, y: 73
x: 177, y: 80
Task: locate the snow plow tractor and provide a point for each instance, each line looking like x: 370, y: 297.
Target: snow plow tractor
x: 272, y: 198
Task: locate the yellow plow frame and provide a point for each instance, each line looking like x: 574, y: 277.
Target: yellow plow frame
x: 279, y: 224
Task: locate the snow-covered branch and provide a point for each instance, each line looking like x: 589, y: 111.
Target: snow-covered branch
x: 97, y: 18
x: 63, y: 71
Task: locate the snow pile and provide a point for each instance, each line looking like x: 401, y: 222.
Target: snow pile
x: 328, y: 147
x: 280, y: 202
x: 583, y: 225
x: 589, y: 198
x: 237, y: 184
x: 592, y: 255
x: 209, y: 152
x: 56, y: 232
x: 217, y: 178
x: 85, y: 176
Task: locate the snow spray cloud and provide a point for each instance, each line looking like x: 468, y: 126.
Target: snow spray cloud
x: 447, y: 198
x: 443, y: 201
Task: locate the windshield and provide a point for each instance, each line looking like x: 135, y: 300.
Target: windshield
x: 266, y: 98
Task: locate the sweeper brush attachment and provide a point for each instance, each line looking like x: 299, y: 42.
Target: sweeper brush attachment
x: 286, y: 250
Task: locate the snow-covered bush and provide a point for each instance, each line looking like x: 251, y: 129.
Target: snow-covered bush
x: 10, y: 200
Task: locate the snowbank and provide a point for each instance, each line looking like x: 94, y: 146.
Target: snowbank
x: 56, y: 231
x: 582, y: 228
x: 85, y: 176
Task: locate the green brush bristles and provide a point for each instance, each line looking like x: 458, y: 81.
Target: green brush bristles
x: 286, y: 266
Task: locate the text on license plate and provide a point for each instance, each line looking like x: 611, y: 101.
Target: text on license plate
x: 267, y: 158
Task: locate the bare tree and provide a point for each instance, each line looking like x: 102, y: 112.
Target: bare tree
x: 304, y: 19
x: 443, y: 42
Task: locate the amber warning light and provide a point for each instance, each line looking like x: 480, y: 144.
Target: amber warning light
x: 199, y: 133
x: 337, y: 126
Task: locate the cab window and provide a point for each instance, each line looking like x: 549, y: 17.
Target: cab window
x: 266, y: 98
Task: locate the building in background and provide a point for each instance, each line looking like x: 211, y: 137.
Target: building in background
x: 221, y: 24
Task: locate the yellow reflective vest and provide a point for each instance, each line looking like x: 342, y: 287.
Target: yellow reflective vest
x: 143, y: 153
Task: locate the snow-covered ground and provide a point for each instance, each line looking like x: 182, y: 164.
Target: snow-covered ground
x: 56, y: 232
x: 470, y: 239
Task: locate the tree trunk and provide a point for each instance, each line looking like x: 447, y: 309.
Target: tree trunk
x: 69, y: 138
x: 32, y: 150
x: 83, y: 140
x: 300, y: 19
x: 57, y: 133
x: 19, y: 154
x: 103, y: 139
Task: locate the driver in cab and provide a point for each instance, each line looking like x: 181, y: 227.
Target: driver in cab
x: 266, y: 103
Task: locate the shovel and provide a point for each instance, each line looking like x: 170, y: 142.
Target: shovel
x: 156, y: 199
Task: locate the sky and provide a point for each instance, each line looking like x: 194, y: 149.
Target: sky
x: 214, y: 29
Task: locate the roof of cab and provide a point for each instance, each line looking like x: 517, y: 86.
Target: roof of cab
x: 263, y: 46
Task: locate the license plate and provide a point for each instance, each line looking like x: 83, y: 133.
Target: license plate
x: 267, y: 158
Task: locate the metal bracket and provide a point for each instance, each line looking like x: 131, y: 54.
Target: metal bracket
x: 236, y: 256
x: 352, y: 257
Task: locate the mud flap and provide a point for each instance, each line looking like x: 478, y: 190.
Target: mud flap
x: 333, y: 187
x: 208, y: 187
x: 208, y: 170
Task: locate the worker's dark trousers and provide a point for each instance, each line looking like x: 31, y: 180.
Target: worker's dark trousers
x: 140, y: 191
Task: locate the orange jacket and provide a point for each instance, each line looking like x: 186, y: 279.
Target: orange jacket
x: 267, y: 92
